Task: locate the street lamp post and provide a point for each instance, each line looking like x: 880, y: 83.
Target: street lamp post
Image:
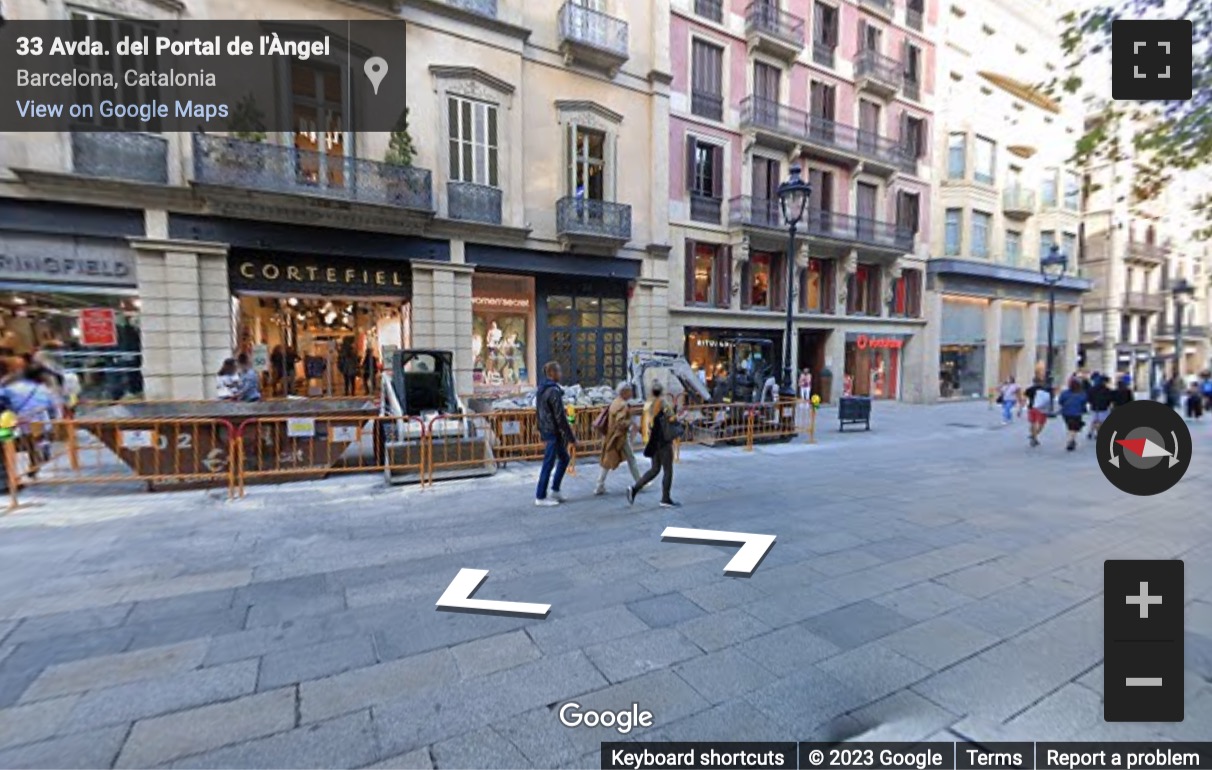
x: 1179, y: 290
x: 793, y: 199
x: 1052, y: 267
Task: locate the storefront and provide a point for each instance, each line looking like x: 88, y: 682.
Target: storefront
x: 962, y: 350
x: 74, y: 296
x: 712, y: 351
x: 582, y: 325
x: 319, y: 325
x: 503, y: 326
x: 873, y: 365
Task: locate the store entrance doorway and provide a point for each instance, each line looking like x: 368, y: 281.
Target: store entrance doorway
x: 811, y: 354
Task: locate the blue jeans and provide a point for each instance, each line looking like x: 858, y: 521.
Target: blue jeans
x: 555, y: 456
x: 1007, y: 410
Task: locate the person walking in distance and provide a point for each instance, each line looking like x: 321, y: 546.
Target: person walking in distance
x: 1073, y: 405
x: 616, y: 447
x: 1123, y: 393
x: 1101, y: 397
x: 1008, y: 397
x: 1039, y: 403
x: 556, y: 434
x: 661, y: 435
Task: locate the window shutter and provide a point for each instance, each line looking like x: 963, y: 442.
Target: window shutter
x: 905, y: 59
x: 906, y: 140
x: 862, y: 35
x: 689, y: 260
x: 691, y: 145
x: 612, y: 166
x: 570, y: 158
x: 747, y: 285
x: 717, y: 175
x: 723, y: 284
x: 778, y: 281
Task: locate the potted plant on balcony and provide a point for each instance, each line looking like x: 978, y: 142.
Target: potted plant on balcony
x: 400, y: 152
x: 247, y: 124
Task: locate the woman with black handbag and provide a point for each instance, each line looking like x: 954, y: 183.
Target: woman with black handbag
x: 663, y: 430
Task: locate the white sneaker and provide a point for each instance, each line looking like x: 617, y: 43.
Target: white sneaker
x: 559, y: 497
x: 546, y: 502
x: 600, y: 491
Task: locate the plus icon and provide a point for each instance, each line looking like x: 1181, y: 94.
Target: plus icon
x: 1144, y: 600
x: 1151, y: 59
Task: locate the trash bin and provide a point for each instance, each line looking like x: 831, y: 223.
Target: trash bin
x: 853, y: 410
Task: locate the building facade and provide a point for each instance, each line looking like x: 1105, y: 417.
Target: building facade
x: 843, y: 89
x: 1005, y: 197
x: 529, y: 224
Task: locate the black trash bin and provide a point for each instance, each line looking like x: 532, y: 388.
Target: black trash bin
x: 852, y: 410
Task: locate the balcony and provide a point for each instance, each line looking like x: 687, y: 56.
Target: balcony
x: 1144, y: 301
x: 824, y: 54
x: 126, y: 157
x: 469, y: 202
x: 582, y: 222
x: 592, y: 38
x: 882, y: 7
x: 1018, y: 203
x: 1146, y: 253
x: 1191, y: 332
x: 772, y: 31
x: 486, y: 8
x: 878, y: 74
x: 914, y: 19
x: 779, y: 126
x: 912, y: 89
x: 224, y: 162
x: 870, y: 234
x: 706, y: 209
x: 706, y: 105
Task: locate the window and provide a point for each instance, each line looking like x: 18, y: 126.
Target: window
x: 707, y: 80
x: 952, y: 232
x: 863, y: 296
x: 588, y: 166
x: 757, y: 290
x: 1048, y: 187
x: 869, y: 37
x: 1014, y: 247
x: 1125, y: 328
x: 908, y: 211
x: 100, y: 27
x: 708, y: 274
x: 318, y: 116
x: 1047, y: 239
x: 1073, y: 191
x: 913, y: 65
x: 907, y: 295
x: 1069, y: 249
x: 473, y: 141
x: 817, y: 286
x: 704, y: 179
x: 913, y: 136
x: 824, y: 26
x: 710, y: 9
x: 985, y: 152
x: 957, y: 150
x: 766, y: 179
x: 981, y: 222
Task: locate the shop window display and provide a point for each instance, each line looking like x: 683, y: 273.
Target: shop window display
x: 962, y: 371
x: 501, y: 333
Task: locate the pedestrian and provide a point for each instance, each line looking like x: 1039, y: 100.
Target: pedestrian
x: 1123, y: 392
x: 1195, y: 401
x: 36, y: 405
x: 1173, y: 393
x: 1073, y: 405
x: 616, y: 447
x: 556, y: 434
x: 1101, y: 398
x: 1008, y: 397
x: 248, y: 386
x: 1039, y: 404
x: 227, y: 380
x: 348, y: 364
x: 662, y: 433
x: 806, y: 385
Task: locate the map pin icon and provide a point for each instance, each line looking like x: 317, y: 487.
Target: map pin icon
x: 376, y: 70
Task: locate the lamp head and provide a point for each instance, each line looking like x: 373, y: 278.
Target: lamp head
x: 793, y: 196
x: 1181, y: 288
x: 1053, y: 264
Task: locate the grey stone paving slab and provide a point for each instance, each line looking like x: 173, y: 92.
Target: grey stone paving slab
x: 569, y: 633
x: 665, y: 610
x: 412, y: 760
x: 980, y: 581
x: 722, y: 629
x: 723, y: 675
x: 873, y: 670
x: 27, y: 661
x: 965, y: 689
x: 734, y: 718
x: 902, y: 716
x: 111, y: 670
x: 154, y: 610
x: 306, y: 663
x: 255, y: 642
x: 161, y: 739
x: 940, y: 641
x: 87, y: 599
x: 34, y: 722
x: 151, y: 697
x: 67, y: 623
x: 805, y: 700
x: 856, y: 624
x: 640, y: 653
x: 399, y: 635
x: 495, y: 653
x: 347, y: 741
x: 290, y: 608
x: 722, y: 596
x: 844, y: 562
x: 1012, y: 610
x: 187, y: 584
x: 321, y: 699
x: 787, y: 650
x: 792, y: 606
x: 1062, y: 716
x: 896, y: 548
x: 186, y: 627
x: 86, y: 750
x: 538, y: 736
x: 483, y: 748
x: 923, y: 600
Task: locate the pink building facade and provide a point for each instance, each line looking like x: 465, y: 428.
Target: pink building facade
x: 841, y: 89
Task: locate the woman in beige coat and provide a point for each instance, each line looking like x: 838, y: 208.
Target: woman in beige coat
x: 617, y: 446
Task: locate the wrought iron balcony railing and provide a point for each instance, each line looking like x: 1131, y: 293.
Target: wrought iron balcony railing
x: 1190, y: 331
x: 704, y: 208
x: 482, y: 7
x: 1144, y: 300
x: 129, y: 157
x: 824, y: 54
x: 912, y: 89
x: 764, y: 17
x: 914, y: 19
x: 587, y: 26
x: 766, y: 213
x: 707, y: 105
x: 1146, y: 252
x: 875, y: 66
x: 228, y: 162
x: 768, y: 115
x: 593, y: 219
x: 472, y: 202
x: 881, y: 6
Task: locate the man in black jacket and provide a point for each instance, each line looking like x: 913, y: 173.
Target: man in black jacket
x: 555, y: 432
x: 1101, y: 397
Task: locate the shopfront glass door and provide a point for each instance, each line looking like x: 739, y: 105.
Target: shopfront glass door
x: 588, y: 338
x: 318, y: 116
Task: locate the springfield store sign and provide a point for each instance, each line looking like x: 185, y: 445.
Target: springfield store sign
x: 44, y: 259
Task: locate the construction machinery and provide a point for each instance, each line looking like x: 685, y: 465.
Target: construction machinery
x: 419, y: 392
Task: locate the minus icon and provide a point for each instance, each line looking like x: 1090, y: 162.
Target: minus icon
x: 1143, y: 681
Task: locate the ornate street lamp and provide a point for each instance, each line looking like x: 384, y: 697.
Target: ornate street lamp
x: 793, y: 199
x: 1052, y: 267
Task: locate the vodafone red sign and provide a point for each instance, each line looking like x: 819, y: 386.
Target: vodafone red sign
x: 865, y: 341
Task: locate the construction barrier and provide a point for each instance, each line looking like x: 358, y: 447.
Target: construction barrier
x: 156, y: 453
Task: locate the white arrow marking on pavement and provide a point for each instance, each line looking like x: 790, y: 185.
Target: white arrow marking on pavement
x: 753, y: 549
x: 457, y: 598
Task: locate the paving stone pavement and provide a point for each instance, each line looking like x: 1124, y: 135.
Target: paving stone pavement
x: 934, y: 577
